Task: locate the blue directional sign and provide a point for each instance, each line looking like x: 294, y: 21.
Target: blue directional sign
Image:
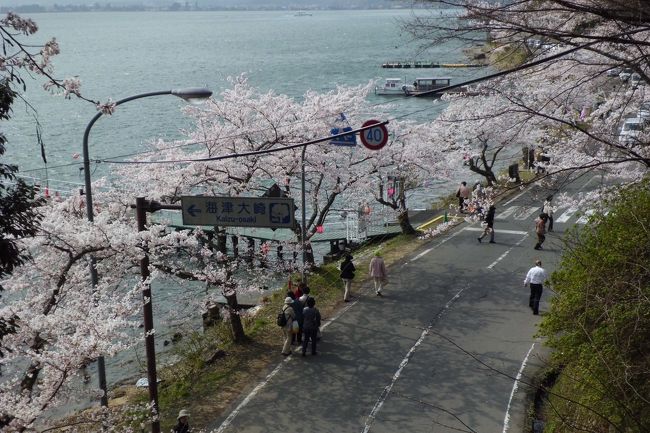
x: 273, y: 212
x: 343, y: 126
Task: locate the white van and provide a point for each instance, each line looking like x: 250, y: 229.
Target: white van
x: 631, y: 129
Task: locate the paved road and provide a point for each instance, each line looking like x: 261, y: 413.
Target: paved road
x: 439, y: 353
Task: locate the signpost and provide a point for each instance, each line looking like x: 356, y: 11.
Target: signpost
x: 344, y: 140
x: 273, y: 212
x: 374, y: 138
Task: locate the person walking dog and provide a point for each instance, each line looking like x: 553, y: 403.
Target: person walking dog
x: 536, y: 277
x: 378, y: 272
x: 347, y: 275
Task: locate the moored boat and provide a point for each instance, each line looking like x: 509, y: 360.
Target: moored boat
x: 427, y: 84
x: 392, y: 86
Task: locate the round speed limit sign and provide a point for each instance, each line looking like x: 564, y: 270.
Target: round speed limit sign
x: 374, y: 138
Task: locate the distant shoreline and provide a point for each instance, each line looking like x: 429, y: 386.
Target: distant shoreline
x: 177, y: 7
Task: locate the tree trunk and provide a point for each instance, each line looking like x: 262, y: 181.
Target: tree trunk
x: 238, y: 334
x: 405, y: 223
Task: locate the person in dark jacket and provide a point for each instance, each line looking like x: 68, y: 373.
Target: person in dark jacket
x: 347, y: 275
x: 489, y: 225
x: 311, y: 323
x: 183, y: 425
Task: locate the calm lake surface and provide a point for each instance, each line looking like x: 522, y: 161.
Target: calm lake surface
x: 122, y: 54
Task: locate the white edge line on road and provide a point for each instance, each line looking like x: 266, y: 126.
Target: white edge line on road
x: 503, y: 256
x: 229, y: 419
x: 506, y: 419
x: 384, y: 394
x: 428, y: 250
x: 514, y: 198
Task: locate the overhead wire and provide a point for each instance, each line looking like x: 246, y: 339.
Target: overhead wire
x: 319, y: 140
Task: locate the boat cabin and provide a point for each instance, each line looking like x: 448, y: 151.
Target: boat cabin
x: 431, y: 83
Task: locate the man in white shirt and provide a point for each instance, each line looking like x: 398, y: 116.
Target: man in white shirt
x: 536, y: 277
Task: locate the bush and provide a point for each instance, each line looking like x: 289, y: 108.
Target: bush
x: 599, y: 322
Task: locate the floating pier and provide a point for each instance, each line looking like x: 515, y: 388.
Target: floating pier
x: 429, y: 65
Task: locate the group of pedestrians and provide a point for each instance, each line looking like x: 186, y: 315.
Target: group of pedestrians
x: 301, y: 319
x: 376, y: 270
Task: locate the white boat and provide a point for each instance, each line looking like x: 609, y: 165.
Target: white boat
x: 427, y: 84
x: 392, y: 86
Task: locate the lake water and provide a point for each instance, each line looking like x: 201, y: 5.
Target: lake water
x: 122, y: 54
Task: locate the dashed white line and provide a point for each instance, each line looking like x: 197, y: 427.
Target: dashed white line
x: 503, y: 256
x: 515, y: 197
x: 506, y: 419
x: 428, y: 250
x: 384, y: 394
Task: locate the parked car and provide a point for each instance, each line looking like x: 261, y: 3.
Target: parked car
x: 644, y: 111
x: 625, y: 74
x: 631, y: 129
x: 635, y: 80
x: 613, y: 72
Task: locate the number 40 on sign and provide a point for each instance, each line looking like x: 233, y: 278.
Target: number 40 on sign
x: 374, y: 138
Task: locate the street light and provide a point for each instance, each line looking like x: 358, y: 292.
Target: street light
x: 191, y: 95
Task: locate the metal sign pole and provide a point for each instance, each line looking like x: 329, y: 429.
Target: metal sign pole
x: 303, y: 229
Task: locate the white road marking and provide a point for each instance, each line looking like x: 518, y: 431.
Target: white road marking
x: 508, y: 232
x: 503, y: 256
x: 527, y: 212
x: 506, y: 213
x: 384, y: 394
x: 584, y: 218
x: 515, y: 197
x: 229, y: 419
x: 428, y: 250
x: 506, y: 419
x: 566, y: 215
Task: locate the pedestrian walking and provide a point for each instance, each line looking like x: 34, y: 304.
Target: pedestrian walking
x: 287, y: 329
x: 536, y: 277
x: 182, y: 422
x: 311, y: 317
x: 347, y: 275
x: 489, y: 225
x: 548, y: 210
x: 297, y: 309
x: 378, y: 273
x: 463, y: 195
x: 540, y: 230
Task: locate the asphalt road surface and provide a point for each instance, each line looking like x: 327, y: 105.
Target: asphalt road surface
x: 449, y: 348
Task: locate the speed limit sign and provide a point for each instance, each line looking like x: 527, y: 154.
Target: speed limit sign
x: 374, y: 138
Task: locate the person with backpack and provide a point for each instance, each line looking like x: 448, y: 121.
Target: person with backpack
x: 311, y: 323
x: 540, y: 230
x: 347, y: 275
x: 287, y: 317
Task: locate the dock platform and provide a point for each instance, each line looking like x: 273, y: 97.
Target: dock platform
x: 428, y: 65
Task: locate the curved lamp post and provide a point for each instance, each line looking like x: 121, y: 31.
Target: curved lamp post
x: 192, y: 95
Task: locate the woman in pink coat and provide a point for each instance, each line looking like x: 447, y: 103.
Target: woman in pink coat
x: 378, y: 272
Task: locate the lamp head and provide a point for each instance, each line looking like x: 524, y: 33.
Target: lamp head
x: 193, y: 95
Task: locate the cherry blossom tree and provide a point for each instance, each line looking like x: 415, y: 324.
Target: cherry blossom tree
x: 568, y: 105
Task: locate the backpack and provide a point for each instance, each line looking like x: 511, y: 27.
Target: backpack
x: 282, y: 319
